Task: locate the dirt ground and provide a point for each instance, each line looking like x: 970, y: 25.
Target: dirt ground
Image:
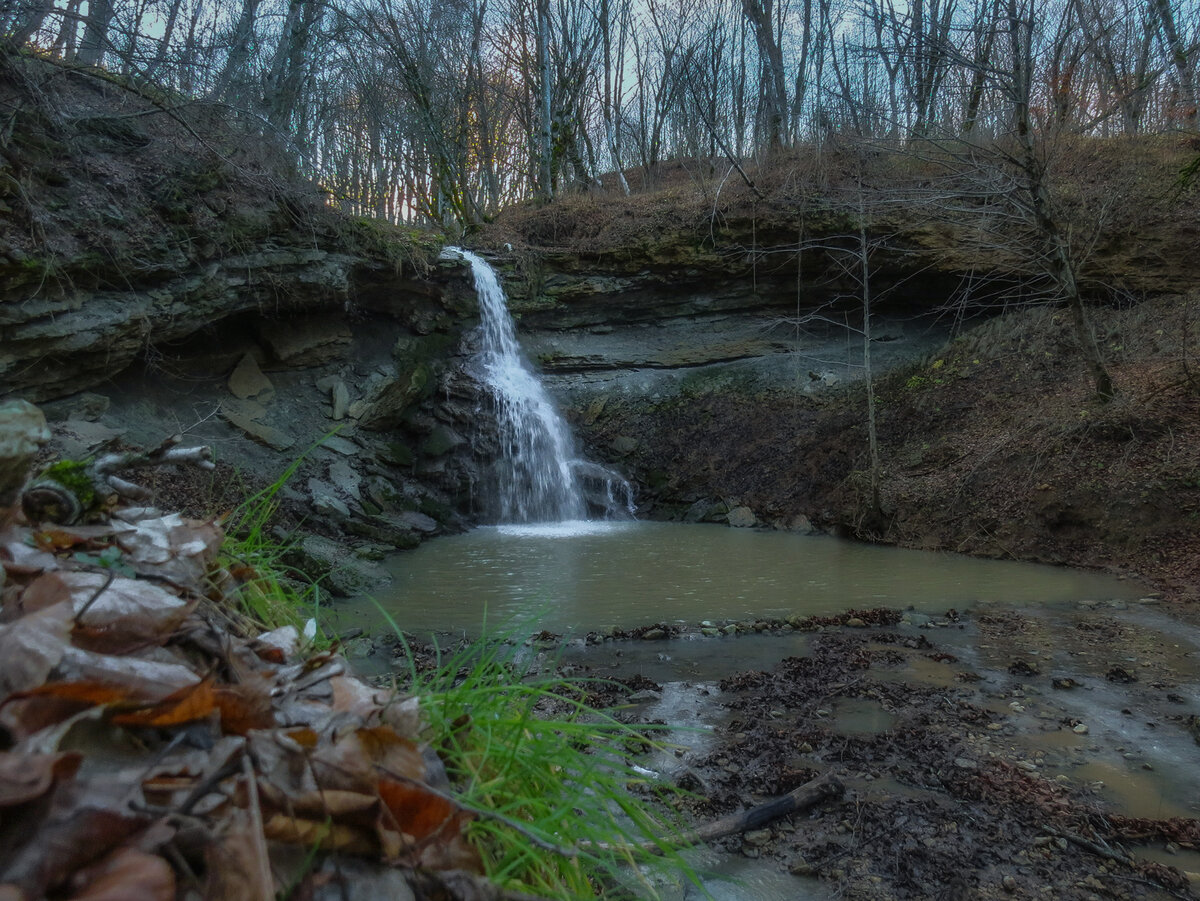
x: 1040, y: 753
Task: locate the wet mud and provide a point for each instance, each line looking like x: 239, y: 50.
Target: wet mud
x: 1046, y: 753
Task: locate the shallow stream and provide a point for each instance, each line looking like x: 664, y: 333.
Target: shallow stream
x: 1023, y: 628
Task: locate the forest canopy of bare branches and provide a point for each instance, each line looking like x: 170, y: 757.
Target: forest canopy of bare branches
x: 446, y: 112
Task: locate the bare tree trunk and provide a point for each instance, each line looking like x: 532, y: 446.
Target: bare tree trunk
x: 26, y: 20
x: 760, y: 15
x: 1179, y: 59
x: 95, y: 33
x: 65, y: 42
x: 546, y: 146
x: 164, y: 44
x: 983, y: 62
x: 239, y: 49
x: 1060, y: 265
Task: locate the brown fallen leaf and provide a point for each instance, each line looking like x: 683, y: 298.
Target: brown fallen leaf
x: 346, y: 807
x: 85, y: 821
x: 62, y: 538
x: 418, y: 811
x: 431, y: 825
x: 32, y: 647
x: 191, y: 703
x: 240, y: 707
x: 232, y: 861
x: 24, y: 777
x: 320, y: 834
x: 124, y: 613
x: 170, y: 546
x: 46, y: 590
x: 126, y: 875
x: 151, y: 680
x: 246, y: 706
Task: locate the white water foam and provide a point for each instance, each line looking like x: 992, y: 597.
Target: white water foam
x: 538, y: 479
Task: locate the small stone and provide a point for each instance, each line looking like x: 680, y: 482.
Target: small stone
x: 710, y: 632
x: 802, y: 868
x: 654, y: 634
x: 1080, y: 729
x: 340, y: 395
x: 805, y: 748
x: 340, y: 445
x: 855, y: 623
x: 644, y: 695
x: 264, y: 434
x: 964, y: 763
x: 1009, y: 883
x: 757, y: 837
x: 247, y: 381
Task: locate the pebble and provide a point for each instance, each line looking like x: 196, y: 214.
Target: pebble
x: 802, y: 868
x: 964, y: 763
x: 855, y: 623
x: 654, y: 634
x: 758, y: 837
x: 1081, y: 729
x: 1009, y: 883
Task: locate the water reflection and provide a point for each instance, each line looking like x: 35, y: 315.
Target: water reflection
x: 586, y: 575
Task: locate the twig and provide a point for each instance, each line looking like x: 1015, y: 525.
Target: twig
x: 99, y: 591
x: 266, y: 882
x: 1097, y: 848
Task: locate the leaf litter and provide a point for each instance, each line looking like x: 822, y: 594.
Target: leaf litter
x: 151, y: 753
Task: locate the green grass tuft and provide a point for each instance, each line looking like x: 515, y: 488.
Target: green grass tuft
x: 563, y: 810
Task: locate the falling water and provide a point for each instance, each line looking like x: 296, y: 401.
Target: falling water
x: 538, y: 478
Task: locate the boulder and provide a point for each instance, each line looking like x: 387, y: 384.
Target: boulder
x: 392, y: 399
x: 742, y: 518
x: 441, y: 441
x: 247, y: 381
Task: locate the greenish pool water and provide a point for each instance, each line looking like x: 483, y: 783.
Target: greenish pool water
x: 581, y: 576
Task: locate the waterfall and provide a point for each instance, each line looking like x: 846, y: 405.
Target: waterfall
x: 537, y: 476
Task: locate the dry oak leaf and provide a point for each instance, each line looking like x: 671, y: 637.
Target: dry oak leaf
x: 127, y: 875
x: 44, y: 591
x: 170, y: 546
x: 128, y: 610
x: 24, y: 777
x: 239, y: 706
x: 320, y: 834
x: 32, y: 647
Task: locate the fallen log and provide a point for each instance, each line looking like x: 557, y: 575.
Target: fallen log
x: 807, y: 796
